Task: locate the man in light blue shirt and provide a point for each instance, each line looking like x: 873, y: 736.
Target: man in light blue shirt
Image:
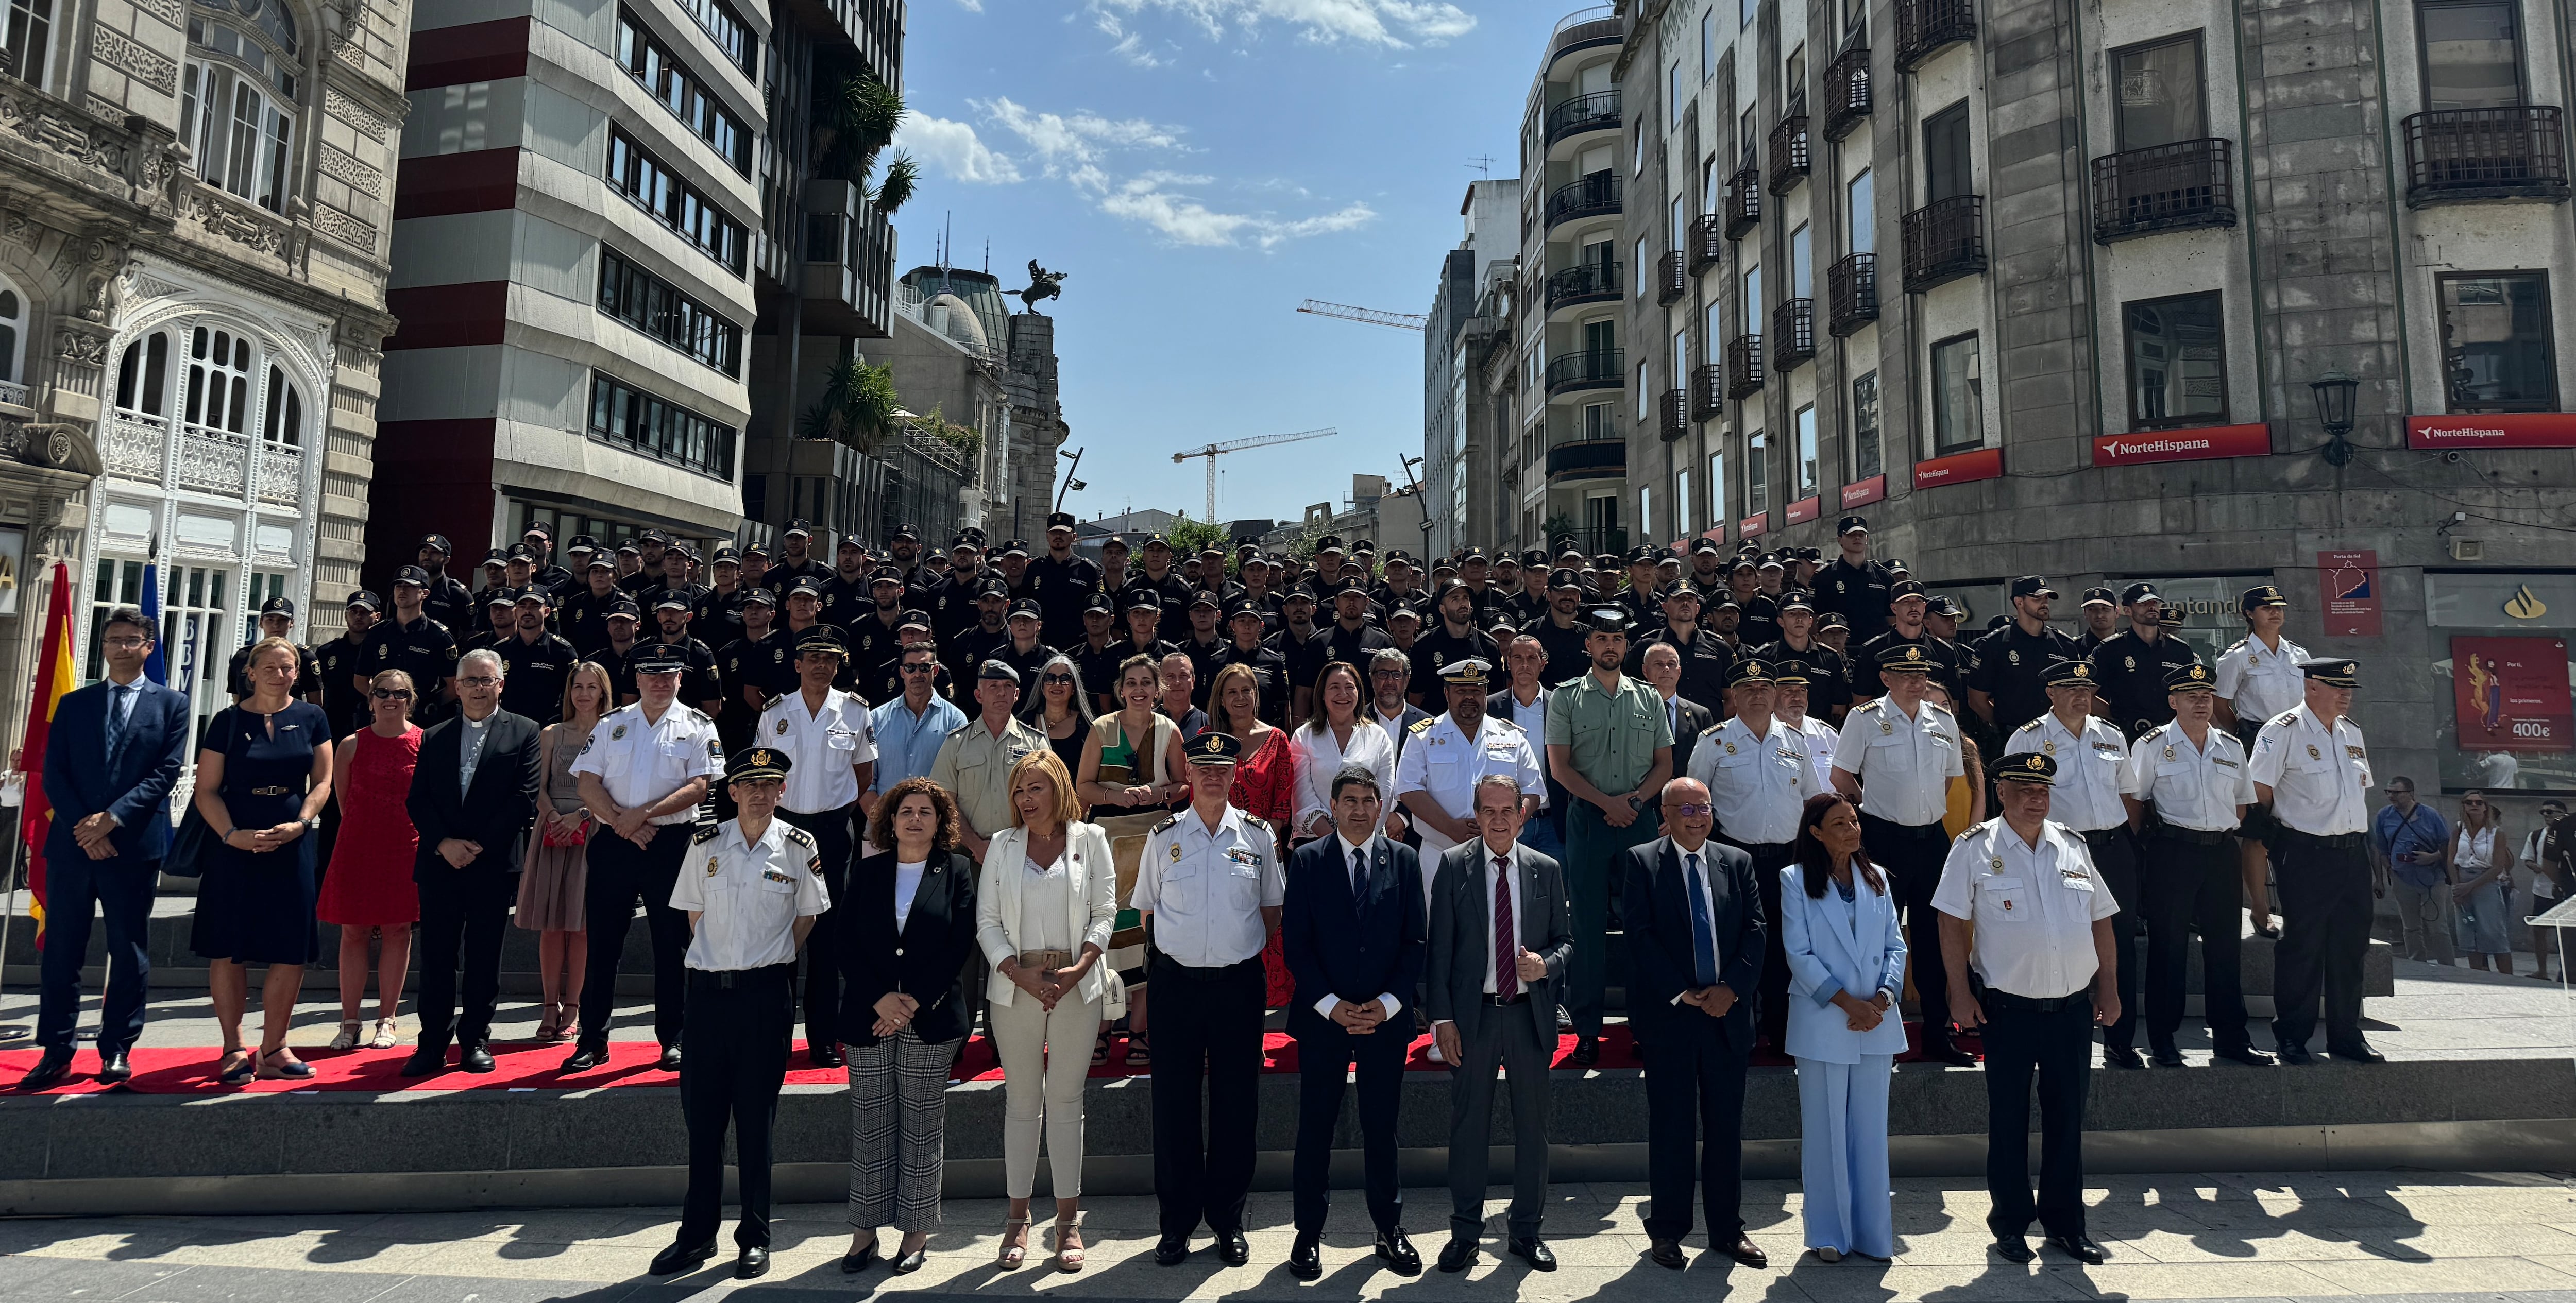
x: 911, y: 727
x: 2415, y: 844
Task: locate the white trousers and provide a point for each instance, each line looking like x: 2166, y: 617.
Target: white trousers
x: 1046, y: 1057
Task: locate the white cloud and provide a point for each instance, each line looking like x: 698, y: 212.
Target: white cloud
x: 955, y: 149
x: 971, y: 6
x: 1132, y: 48
x: 1155, y: 199
x: 1081, y: 138
x: 1393, y: 24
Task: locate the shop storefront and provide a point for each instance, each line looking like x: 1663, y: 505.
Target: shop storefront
x: 2498, y: 642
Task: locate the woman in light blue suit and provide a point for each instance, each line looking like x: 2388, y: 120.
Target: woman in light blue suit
x: 1846, y: 970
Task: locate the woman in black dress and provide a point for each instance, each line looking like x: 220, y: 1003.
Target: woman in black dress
x: 263, y: 775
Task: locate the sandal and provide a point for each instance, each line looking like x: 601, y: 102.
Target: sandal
x: 1139, y: 1054
x: 1014, y: 1254
x: 291, y: 1070
x: 388, y: 1034
x: 236, y: 1074
x: 550, y: 1028
x: 348, y: 1037
x: 1068, y: 1260
x: 1100, y: 1049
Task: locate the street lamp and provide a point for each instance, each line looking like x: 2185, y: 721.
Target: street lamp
x: 2334, y: 394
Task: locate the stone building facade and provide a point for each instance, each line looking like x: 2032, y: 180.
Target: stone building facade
x: 2049, y: 288
x: 193, y: 262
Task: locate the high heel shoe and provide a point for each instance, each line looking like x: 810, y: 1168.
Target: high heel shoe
x: 859, y: 1260
x: 236, y: 1074
x: 272, y: 1070
x: 348, y: 1037
x: 1068, y: 1260
x: 1014, y: 1254
x: 388, y: 1034
x: 550, y: 1028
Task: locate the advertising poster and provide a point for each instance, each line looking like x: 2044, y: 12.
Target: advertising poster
x: 2349, y: 584
x: 2511, y: 694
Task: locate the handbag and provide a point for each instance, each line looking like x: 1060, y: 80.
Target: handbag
x: 579, y: 836
x: 188, y: 845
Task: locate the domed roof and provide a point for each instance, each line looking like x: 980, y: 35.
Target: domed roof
x: 960, y: 324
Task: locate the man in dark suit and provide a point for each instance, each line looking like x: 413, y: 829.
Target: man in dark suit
x: 1689, y: 717
x: 115, y: 750
x: 473, y: 797
x: 1490, y: 1009
x: 1353, y: 933
x: 1523, y: 701
x: 1695, y: 927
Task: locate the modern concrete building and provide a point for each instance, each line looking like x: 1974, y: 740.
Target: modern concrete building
x: 1468, y: 466
x: 2202, y: 294
x: 193, y: 254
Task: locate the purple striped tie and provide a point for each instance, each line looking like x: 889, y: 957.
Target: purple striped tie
x: 1507, y: 969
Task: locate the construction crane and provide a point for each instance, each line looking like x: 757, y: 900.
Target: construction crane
x: 1214, y: 450
x: 1371, y: 316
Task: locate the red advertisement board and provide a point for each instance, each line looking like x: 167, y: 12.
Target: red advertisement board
x: 2348, y: 582
x: 1754, y: 526
x: 1960, y: 468
x: 2511, y: 694
x: 2493, y: 430
x: 2183, y: 445
x: 1804, y: 510
x: 1717, y: 532
x: 1873, y: 489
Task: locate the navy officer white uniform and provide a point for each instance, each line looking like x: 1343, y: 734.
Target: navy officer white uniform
x: 1896, y: 756
x: 1437, y: 771
x: 831, y: 738
x: 752, y: 890
x: 2042, y: 948
x: 2091, y: 752
x: 1759, y: 775
x: 2192, y: 774
x: 1210, y: 886
x: 643, y: 774
x: 2311, y: 766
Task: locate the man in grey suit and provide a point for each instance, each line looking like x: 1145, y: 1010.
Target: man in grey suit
x: 1494, y: 1007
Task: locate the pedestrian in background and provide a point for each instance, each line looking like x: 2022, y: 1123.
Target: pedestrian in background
x: 2481, y: 884
x: 368, y: 892
x: 2413, y: 841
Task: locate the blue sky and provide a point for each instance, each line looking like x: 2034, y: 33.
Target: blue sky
x: 1200, y: 167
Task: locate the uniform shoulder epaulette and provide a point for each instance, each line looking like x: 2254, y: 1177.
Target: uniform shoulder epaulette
x: 2031, y: 727
x: 697, y: 714
x: 799, y: 836
x: 705, y: 832
x: 2285, y: 716
x: 1423, y: 725
x: 2231, y: 647
x: 1169, y: 821
x: 960, y: 730
x: 772, y: 703
x: 1873, y: 703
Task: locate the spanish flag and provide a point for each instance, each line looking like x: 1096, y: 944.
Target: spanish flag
x: 55, y: 675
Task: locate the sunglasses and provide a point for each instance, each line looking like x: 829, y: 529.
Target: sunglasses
x: 920, y: 668
x: 1695, y: 811
x: 392, y: 694
x: 1055, y: 678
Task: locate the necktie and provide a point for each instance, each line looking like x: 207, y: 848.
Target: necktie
x: 1703, y: 937
x: 1359, y: 874
x: 1507, y: 970
x: 116, y: 707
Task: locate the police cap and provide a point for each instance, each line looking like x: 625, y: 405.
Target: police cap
x: 2028, y: 767
x: 1212, y: 748
x: 755, y: 763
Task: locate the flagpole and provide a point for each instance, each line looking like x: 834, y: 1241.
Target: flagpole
x: 17, y: 846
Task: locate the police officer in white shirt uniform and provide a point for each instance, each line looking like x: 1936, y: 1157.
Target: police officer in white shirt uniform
x: 1210, y: 885
x: 1896, y: 757
x: 752, y: 890
x: 1759, y: 775
x: 2310, y: 766
x: 643, y: 773
x: 1790, y: 680
x: 1436, y: 772
x: 2257, y: 679
x: 831, y: 737
x: 2191, y: 773
x: 2041, y: 947
x: 2089, y: 751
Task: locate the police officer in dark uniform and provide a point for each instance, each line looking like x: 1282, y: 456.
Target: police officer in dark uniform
x: 1760, y: 619
x: 1707, y: 663
x: 1171, y: 591
x: 535, y: 664
x: 1024, y: 646
x: 1202, y: 643
x: 1350, y: 637
x: 795, y: 559
x: 496, y: 579
x: 649, y: 549
x: 2132, y: 664
x: 444, y: 600
x: 577, y: 552
x: 698, y: 686
x: 416, y: 644
x: 2008, y: 684
x: 1904, y: 629
x: 1529, y: 605
x: 1062, y: 582
x: 1562, y: 631
x: 967, y: 650
x: 874, y: 632
x: 953, y: 601
x: 500, y: 606
x: 801, y: 609
x: 1638, y: 598
x: 1829, y: 688
x: 749, y: 668
x: 617, y: 654
x: 718, y: 617
x: 905, y: 553
x: 847, y: 591
x: 540, y: 542
x: 1856, y: 587
x: 1455, y: 635
x: 277, y: 620
x: 583, y: 617
x: 2101, y: 628
x: 1097, y: 655
x: 341, y: 661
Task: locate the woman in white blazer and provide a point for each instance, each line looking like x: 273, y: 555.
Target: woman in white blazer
x: 1846, y: 971
x: 1336, y: 735
x: 1044, y: 906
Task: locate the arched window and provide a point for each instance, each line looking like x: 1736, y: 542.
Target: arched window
x: 218, y: 380
x: 241, y: 96
x: 31, y: 41
x: 143, y: 376
x: 13, y: 331
x: 284, y: 409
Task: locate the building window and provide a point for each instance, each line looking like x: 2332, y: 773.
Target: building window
x: 13, y: 334
x: 1707, y: 44
x: 1866, y: 456
x: 1683, y: 521
x: 1807, y: 469
x: 1751, y: 318
x: 1681, y: 357
x: 727, y: 30
x: 655, y: 306
x: 2497, y: 354
x: 2472, y: 53
x: 1802, y: 264
x: 1599, y: 422
x: 1757, y: 473
x: 1673, y: 90
x: 2161, y: 101
x: 1645, y: 277
x: 655, y: 188
x: 1862, y: 211
x: 143, y: 376
x: 1717, y: 489
x: 1746, y: 11
x: 1744, y: 135
x: 283, y: 419
x: 630, y: 418
x: 670, y: 81
x: 1958, y: 402
x: 1948, y: 166
x: 2177, y: 362
x: 218, y: 394
x: 31, y: 41
x: 1645, y: 513
x: 1642, y: 398
x: 238, y: 104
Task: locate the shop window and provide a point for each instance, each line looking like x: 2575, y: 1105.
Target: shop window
x: 2177, y: 362
x: 2497, y: 353
x: 1958, y: 399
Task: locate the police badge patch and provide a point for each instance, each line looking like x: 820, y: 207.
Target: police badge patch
x: 782, y: 728
x: 617, y: 734
x: 2313, y: 753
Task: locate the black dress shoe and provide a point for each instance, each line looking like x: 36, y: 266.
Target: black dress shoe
x: 2078, y: 1246
x: 2013, y: 1248
x: 2296, y: 1056
x: 1398, y: 1252
x: 752, y: 1263
x: 911, y: 1262
x: 670, y: 1059
x: 2245, y: 1054
x: 1306, y: 1256
x: 1746, y: 1253
x: 477, y: 1058
x: 1587, y: 1051
x: 1666, y: 1253
x: 49, y: 1070
x: 1952, y: 1055
x: 1459, y: 1254
x: 681, y: 1257
x: 2125, y: 1056
x: 1532, y: 1251
x: 854, y: 1263
x: 1232, y: 1249
x: 584, y: 1057
x: 2165, y: 1056
x: 2358, y: 1052
x: 428, y: 1061
x: 824, y: 1056
x: 112, y: 1066
x: 1171, y: 1250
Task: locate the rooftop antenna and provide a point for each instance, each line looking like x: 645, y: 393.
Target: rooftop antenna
x: 1484, y: 165
x: 988, y: 255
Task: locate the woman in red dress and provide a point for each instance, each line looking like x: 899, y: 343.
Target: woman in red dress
x: 1265, y: 787
x: 368, y: 889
